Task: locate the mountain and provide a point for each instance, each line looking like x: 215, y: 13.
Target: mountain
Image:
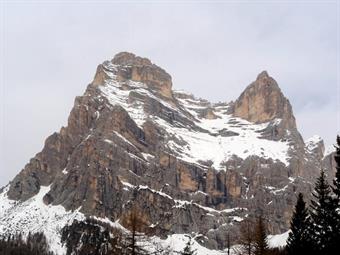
x: 190, y: 166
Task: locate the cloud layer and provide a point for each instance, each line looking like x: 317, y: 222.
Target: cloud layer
x: 50, y: 53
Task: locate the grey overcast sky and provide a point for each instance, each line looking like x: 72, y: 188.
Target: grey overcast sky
x: 50, y: 51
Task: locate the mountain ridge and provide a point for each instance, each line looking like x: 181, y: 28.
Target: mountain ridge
x: 180, y: 159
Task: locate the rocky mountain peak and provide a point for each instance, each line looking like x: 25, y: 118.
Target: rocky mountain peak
x: 263, y: 75
x: 263, y: 101
x: 127, y: 66
x: 189, y: 167
x: 135, y: 68
x: 315, y: 145
x: 130, y: 59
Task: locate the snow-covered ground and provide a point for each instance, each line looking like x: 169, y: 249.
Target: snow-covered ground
x: 277, y: 240
x: 313, y: 142
x: 176, y: 243
x: 204, y: 146
x: 34, y: 216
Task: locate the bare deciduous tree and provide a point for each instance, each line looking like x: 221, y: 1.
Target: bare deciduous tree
x: 247, y: 235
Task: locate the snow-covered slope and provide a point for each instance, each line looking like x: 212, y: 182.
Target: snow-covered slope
x: 216, y: 140
x: 278, y: 240
x: 34, y: 216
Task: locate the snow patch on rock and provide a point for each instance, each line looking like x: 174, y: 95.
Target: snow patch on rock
x: 34, y: 216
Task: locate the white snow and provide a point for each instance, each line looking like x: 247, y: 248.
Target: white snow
x: 124, y: 139
x: 182, y: 203
x: 314, y: 139
x: 313, y: 142
x: 234, y: 209
x: 275, y: 190
x: 204, y: 146
x: 34, y: 216
x: 328, y: 150
x: 237, y: 218
x: 277, y: 240
x: 147, y: 156
x: 177, y: 242
x: 155, y: 191
x: 141, y: 187
x: 117, y: 96
x: 291, y: 179
x: 114, y: 224
x: 127, y: 184
x: 113, y: 91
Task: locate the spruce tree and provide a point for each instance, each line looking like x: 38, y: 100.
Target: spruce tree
x: 335, y: 239
x: 336, y: 181
x: 297, y: 242
x: 261, y: 246
x: 321, y: 213
x: 228, y: 244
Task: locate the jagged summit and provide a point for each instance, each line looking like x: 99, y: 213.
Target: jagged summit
x: 315, y: 144
x: 263, y: 75
x: 128, y: 58
x: 263, y: 101
x: 127, y: 66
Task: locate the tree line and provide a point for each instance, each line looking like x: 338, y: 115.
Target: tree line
x: 316, y: 230
x: 94, y: 237
x: 33, y: 244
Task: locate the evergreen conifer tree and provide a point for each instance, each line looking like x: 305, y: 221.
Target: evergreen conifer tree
x: 297, y: 242
x: 335, y: 239
x: 188, y: 249
x: 322, y: 206
x: 336, y: 181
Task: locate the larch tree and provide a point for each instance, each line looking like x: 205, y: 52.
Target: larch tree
x: 261, y: 245
x: 247, y: 237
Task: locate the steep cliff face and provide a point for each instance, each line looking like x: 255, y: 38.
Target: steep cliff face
x: 189, y: 165
x: 134, y: 68
x: 263, y: 101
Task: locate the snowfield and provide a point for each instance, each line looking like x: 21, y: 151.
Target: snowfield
x: 278, y: 240
x: 34, y: 216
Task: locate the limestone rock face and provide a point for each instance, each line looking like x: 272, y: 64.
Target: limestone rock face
x: 187, y: 164
x: 141, y: 69
x: 263, y: 101
x: 127, y: 66
x: 316, y: 146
